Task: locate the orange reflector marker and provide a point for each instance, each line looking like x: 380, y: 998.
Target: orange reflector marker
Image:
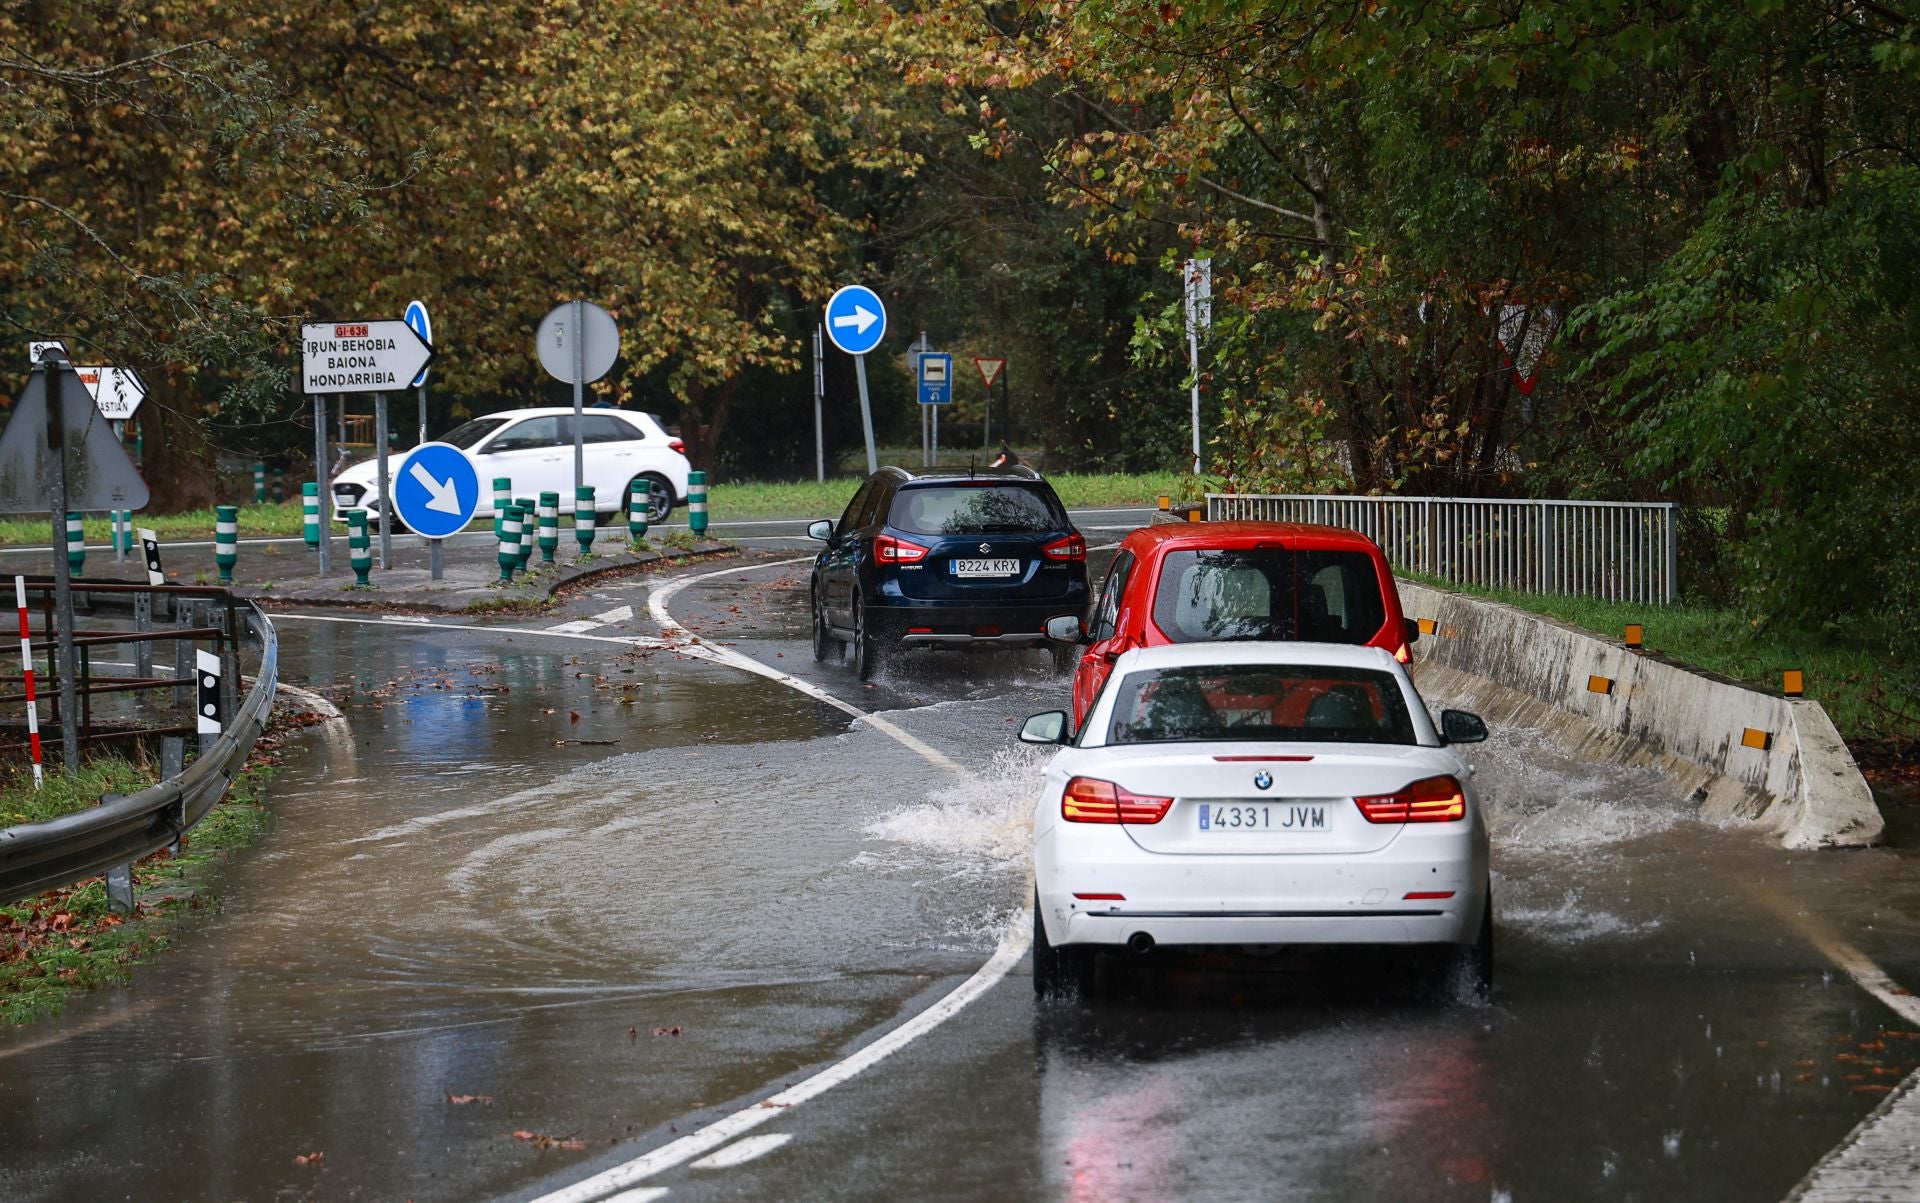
x: 1636, y: 635
x: 1101, y: 897
x: 1750, y: 738
x: 1793, y: 682
x: 1166, y: 502
x: 1599, y: 685
x: 1427, y: 626
x: 1425, y: 895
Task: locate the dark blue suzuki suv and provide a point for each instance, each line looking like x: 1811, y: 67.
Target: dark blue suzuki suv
x: 950, y: 558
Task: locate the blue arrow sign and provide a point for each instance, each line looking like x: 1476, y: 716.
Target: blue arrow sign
x: 416, y: 316
x: 436, y: 489
x: 856, y: 320
x: 936, y: 378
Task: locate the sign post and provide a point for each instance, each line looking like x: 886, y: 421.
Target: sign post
x: 819, y: 402
x: 382, y: 480
x: 936, y: 389
x: 1199, y: 296
x: 988, y: 367
x: 357, y: 357
x: 436, y: 494
x: 856, y: 322
x: 117, y: 392
x: 577, y: 344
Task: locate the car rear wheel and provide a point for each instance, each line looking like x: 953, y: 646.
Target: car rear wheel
x: 659, y: 497
x: 866, y: 647
x: 1058, y: 971
x: 1472, y: 966
x: 824, y: 643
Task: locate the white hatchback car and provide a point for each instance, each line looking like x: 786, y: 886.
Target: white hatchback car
x: 534, y: 449
x: 1258, y: 794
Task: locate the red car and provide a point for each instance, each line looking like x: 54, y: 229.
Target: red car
x: 1208, y: 581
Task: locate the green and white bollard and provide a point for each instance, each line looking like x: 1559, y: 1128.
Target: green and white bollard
x: 697, y: 502
x: 528, y: 520
x: 259, y: 482
x: 279, y: 484
x: 310, y: 513
x: 636, y: 510
x: 502, y: 494
x: 359, y: 546
x: 583, y: 518
x: 76, y: 544
x: 549, y: 526
x: 226, y: 540
x: 509, y: 519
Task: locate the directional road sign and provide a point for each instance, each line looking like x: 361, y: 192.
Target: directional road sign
x: 437, y: 490
x: 989, y: 367
x: 936, y: 378
x: 99, y: 474
x: 856, y: 320
x: 361, y: 357
x: 117, y: 391
x: 416, y: 316
x: 595, y: 332
x: 54, y: 344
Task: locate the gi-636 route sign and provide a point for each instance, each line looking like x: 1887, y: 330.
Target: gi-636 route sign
x: 361, y: 357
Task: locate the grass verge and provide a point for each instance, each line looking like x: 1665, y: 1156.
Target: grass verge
x: 825, y: 499
x: 65, y: 942
x: 1872, y: 696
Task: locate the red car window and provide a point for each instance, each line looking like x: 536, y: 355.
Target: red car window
x: 1268, y: 593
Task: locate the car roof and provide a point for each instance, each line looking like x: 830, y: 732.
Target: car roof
x: 1197, y: 536
x: 1010, y: 474
x: 563, y: 411
x: 1289, y: 653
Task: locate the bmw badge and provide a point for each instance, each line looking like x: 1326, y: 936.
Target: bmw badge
x: 1263, y: 780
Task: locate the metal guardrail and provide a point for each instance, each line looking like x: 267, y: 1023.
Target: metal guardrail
x: 40, y: 856
x: 1613, y: 550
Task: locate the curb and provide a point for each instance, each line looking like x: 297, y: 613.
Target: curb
x: 1602, y: 699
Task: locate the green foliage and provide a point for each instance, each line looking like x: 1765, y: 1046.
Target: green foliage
x: 66, y: 793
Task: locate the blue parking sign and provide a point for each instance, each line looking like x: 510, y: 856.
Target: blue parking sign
x: 936, y: 378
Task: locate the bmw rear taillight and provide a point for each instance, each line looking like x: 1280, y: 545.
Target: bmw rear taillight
x: 1073, y: 547
x: 889, y: 550
x: 1432, y: 800
x: 1090, y: 800
x: 677, y: 445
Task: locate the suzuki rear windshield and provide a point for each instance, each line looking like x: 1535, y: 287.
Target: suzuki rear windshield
x: 1269, y: 593
x: 1261, y: 702
x: 977, y: 510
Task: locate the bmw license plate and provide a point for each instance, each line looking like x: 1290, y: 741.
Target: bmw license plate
x: 1284, y: 817
x: 986, y: 567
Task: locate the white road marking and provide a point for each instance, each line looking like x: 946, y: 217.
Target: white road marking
x: 646, y: 641
x: 742, y: 1151
x: 644, y: 1194
x: 580, y: 625
x: 1012, y: 948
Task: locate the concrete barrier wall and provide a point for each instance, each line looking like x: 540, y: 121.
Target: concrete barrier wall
x: 1519, y: 667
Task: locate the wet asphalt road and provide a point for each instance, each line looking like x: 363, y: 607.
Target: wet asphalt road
x: 469, y: 894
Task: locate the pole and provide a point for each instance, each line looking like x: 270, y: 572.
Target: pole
x: 340, y: 411
x: 579, y: 386
x: 323, y: 478
x: 50, y: 369
x: 423, y: 415
x: 436, y: 558
x: 819, y: 402
x: 866, y: 413
x: 386, y: 493
x: 986, y: 423
x: 1006, y: 406
x: 26, y: 670
x: 936, y: 435
x: 1193, y: 352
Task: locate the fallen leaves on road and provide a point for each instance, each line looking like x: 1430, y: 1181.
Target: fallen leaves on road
x: 675, y: 1030
x: 308, y: 1159
x: 461, y: 1100
x: 540, y: 1140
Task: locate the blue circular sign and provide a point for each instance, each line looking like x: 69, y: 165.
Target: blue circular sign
x: 436, y: 489
x: 856, y: 320
x: 416, y: 316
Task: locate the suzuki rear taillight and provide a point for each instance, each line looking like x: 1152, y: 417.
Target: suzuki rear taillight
x: 1090, y: 800
x: 1433, y: 800
x: 889, y: 550
x: 677, y: 445
x: 1073, y: 547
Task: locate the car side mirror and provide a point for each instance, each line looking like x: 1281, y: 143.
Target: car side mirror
x: 1409, y: 631
x: 1460, y: 727
x: 1048, y: 728
x: 821, y: 530
x: 1066, y: 628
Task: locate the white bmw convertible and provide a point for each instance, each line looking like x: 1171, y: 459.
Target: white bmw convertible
x: 1258, y: 794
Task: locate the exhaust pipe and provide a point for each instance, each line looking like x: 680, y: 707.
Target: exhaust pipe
x: 1140, y: 943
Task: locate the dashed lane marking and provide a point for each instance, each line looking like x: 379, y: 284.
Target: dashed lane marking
x: 583, y: 625
x: 644, y: 1194
x: 742, y: 1151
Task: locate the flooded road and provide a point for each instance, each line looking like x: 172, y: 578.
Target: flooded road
x: 549, y: 901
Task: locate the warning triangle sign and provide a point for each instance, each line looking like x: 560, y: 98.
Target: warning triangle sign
x: 99, y: 474
x: 989, y: 368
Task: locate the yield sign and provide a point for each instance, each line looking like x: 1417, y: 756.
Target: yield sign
x: 361, y: 357
x: 989, y: 368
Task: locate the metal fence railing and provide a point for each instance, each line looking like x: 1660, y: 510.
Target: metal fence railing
x: 1613, y: 550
